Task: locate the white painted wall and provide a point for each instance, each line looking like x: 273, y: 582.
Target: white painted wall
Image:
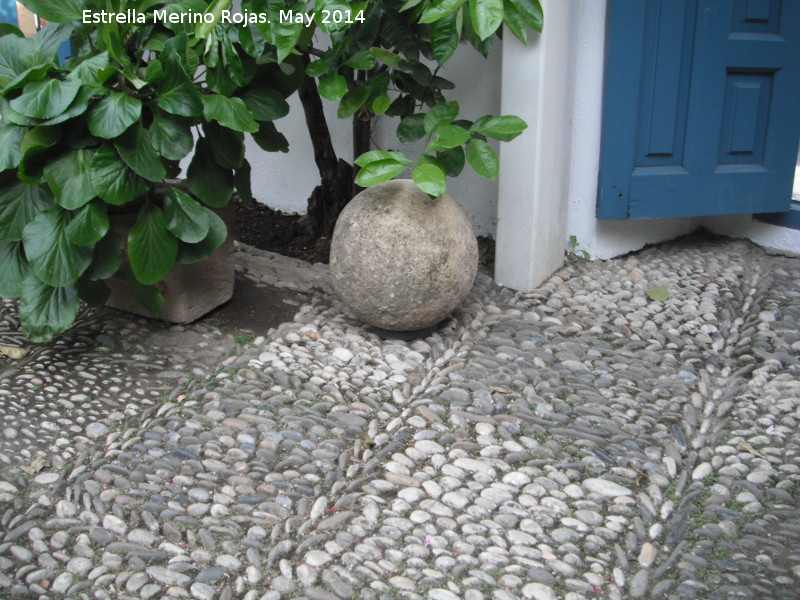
x: 538, y: 82
x: 773, y: 237
x: 285, y: 181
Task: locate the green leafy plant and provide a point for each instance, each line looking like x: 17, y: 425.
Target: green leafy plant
x: 574, y: 248
x: 105, y: 131
x: 382, y: 59
x: 151, y: 82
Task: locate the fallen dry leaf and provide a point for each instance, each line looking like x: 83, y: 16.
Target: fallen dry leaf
x: 745, y: 447
x: 14, y: 352
x: 37, y: 464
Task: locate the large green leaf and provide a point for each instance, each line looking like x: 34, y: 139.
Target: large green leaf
x: 429, y: 176
x: 530, y: 11
x: 149, y: 296
x: 176, y: 93
x: 94, y: 69
x: 483, y: 159
x: 218, y: 80
x: 441, y: 114
x: 486, y: 15
x: 270, y: 139
x: 217, y: 233
x: 411, y: 129
x: 390, y: 59
x: 332, y: 87
x: 57, y: 11
x: 9, y: 115
x: 35, y: 146
x: 440, y: 9
x: 55, y: 260
x: 469, y: 34
x: 266, y: 103
x: 229, y: 112
x: 113, y: 180
x: 69, y: 178
x: 107, y: 257
x: 353, y: 100
x: 452, y: 160
x: 19, y: 204
x: 379, y: 171
x: 23, y: 60
x: 376, y: 155
x: 114, y: 114
x: 329, y: 8
x: 448, y: 136
x: 79, y: 106
x: 39, y: 138
x: 89, y: 225
x: 227, y: 145
x: 206, y: 179
x: 515, y: 21
x: 46, y: 311
x: 10, y: 140
x: 318, y: 67
x: 241, y: 181
x: 46, y: 99
x: 151, y: 247
x: 15, y: 269
x: 381, y: 104
x: 210, y: 22
x: 170, y: 135
x: 282, y: 33
x: 186, y: 218
x: 504, y: 128
x: 136, y: 150
x: 364, y: 60
x: 445, y: 36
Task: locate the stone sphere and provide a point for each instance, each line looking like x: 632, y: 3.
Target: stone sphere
x: 401, y: 260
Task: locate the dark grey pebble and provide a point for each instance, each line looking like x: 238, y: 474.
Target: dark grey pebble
x: 101, y: 536
x: 210, y: 575
x: 538, y: 575
x: 320, y: 594
x: 19, y: 531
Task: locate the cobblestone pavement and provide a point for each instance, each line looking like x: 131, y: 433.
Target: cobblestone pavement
x: 581, y: 442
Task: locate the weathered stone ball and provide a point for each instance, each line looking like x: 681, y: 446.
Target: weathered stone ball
x: 401, y: 260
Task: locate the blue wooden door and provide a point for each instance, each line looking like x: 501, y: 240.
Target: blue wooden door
x: 701, y: 110
x: 8, y: 11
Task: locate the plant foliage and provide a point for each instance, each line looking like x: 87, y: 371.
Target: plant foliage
x: 105, y: 130
x: 153, y: 82
x: 383, y: 58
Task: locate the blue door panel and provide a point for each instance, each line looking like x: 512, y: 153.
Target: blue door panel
x: 8, y: 11
x: 700, y: 109
x: 664, y: 85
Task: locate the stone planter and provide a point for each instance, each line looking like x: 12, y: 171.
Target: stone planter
x: 190, y: 291
x: 400, y: 260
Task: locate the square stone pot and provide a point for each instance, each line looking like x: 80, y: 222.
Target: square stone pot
x: 190, y: 291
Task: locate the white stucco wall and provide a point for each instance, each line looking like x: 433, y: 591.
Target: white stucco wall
x: 285, y: 181
x: 772, y: 237
x: 538, y: 79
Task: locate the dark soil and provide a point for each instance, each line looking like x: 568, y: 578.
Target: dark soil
x: 267, y: 229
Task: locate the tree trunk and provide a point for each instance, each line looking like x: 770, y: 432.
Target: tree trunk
x: 336, y: 175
